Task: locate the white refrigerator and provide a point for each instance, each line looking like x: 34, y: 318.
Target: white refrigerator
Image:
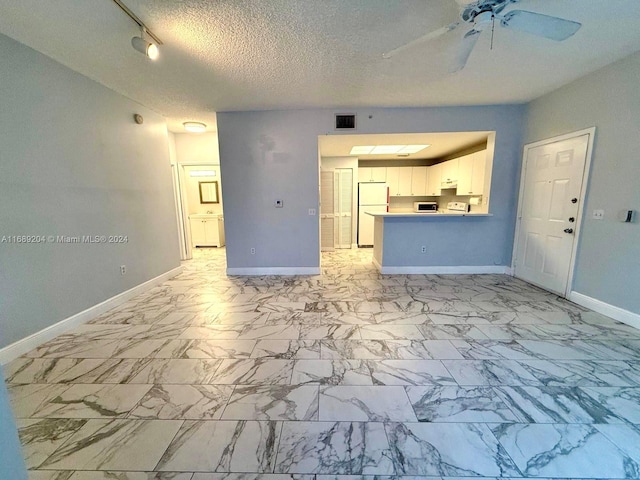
x: 372, y: 197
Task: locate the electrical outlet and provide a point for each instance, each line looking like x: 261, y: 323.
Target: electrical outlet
x: 423, y: 249
x: 253, y: 251
x: 312, y: 211
x: 123, y: 269
x: 598, y: 214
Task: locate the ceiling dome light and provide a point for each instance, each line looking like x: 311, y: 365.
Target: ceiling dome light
x: 195, y: 127
x: 147, y: 48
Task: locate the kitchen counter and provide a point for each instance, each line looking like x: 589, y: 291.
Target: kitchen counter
x: 429, y: 215
x: 431, y: 243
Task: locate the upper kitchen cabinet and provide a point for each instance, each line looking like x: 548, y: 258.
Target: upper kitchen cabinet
x: 479, y: 173
x: 434, y: 178
x: 392, y: 180
x: 372, y: 174
x: 418, y: 181
x: 399, y: 181
x: 471, y: 173
x: 449, y: 173
x: 404, y: 182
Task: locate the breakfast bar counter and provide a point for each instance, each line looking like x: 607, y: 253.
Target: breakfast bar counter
x: 431, y: 243
x: 427, y: 216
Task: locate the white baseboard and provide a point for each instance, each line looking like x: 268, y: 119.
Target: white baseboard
x: 377, y: 264
x: 253, y: 271
x: 13, y: 351
x: 617, y: 313
x: 444, y: 270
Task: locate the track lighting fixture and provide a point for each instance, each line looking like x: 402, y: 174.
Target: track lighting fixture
x: 141, y: 44
x: 145, y: 47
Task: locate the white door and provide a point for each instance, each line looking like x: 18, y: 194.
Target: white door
x: 549, y: 211
x: 327, y: 216
x: 343, y: 205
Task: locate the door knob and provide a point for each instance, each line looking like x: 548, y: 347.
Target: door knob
x: 572, y: 219
x: 568, y: 230
x: 574, y: 200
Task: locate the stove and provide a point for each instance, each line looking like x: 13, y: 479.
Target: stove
x: 458, y: 207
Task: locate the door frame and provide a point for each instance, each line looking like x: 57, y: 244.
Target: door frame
x: 591, y: 132
x: 185, y: 252
x: 186, y: 249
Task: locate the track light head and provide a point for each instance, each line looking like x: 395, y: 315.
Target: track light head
x: 145, y: 47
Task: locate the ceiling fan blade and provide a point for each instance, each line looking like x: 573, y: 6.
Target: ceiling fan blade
x: 465, y: 49
x: 424, y: 39
x: 553, y: 28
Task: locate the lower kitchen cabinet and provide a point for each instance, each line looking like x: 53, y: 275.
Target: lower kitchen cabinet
x: 207, y: 230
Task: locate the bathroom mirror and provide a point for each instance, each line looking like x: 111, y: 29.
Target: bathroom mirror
x: 208, y: 192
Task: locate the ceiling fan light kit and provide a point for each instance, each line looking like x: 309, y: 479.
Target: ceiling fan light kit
x: 480, y: 14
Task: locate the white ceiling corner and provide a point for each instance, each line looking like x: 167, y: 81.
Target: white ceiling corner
x: 277, y: 54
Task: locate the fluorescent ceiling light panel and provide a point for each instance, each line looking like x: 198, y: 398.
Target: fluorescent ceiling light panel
x: 202, y: 173
x: 386, y: 149
x: 413, y: 148
x: 361, y: 150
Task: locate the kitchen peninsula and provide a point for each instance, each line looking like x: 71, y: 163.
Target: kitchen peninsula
x: 430, y: 243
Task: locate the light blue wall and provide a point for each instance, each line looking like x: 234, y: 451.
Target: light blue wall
x: 274, y: 154
x: 11, y: 460
x: 73, y: 162
x: 450, y: 241
x: 608, y: 261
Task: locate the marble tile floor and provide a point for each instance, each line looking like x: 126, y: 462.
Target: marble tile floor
x: 347, y: 375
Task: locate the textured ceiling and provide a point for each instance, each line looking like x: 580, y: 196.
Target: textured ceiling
x: 273, y: 54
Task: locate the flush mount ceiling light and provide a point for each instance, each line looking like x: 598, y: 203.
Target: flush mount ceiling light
x: 195, y: 127
x: 386, y: 149
x: 141, y: 44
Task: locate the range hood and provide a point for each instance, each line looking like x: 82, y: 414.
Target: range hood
x: 449, y: 184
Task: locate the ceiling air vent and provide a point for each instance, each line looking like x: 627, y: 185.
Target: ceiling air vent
x: 345, y: 121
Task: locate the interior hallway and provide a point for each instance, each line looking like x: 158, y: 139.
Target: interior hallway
x: 347, y: 373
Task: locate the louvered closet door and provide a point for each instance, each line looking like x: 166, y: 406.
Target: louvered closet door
x: 344, y: 205
x: 327, y: 215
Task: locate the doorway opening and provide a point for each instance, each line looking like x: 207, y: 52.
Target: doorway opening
x: 389, y: 173
x: 200, y: 208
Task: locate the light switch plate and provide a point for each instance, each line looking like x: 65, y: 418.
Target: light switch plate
x: 312, y: 211
x: 278, y: 203
x: 598, y: 214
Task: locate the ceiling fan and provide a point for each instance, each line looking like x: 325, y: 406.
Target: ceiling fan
x: 482, y: 15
